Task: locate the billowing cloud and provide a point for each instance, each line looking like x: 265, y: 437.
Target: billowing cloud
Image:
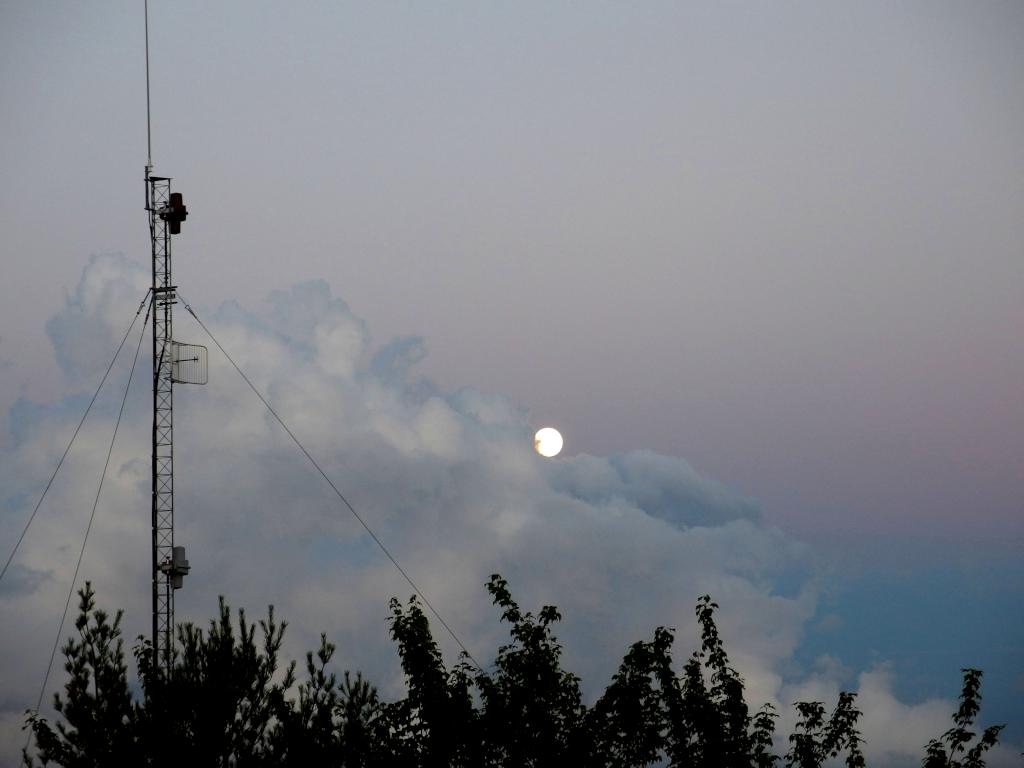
x: 95, y: 313
x: 447, y: 479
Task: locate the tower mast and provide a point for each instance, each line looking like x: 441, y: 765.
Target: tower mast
x: 166, y: 212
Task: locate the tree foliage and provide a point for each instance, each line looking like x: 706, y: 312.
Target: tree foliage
x: 944, y: 751
x: 229, y: 701
x: 99, y: 720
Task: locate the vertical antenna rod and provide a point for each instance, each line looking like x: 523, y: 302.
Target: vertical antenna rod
x: 149, y: 134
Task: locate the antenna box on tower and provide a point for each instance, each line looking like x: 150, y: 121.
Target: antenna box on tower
x: 188, y: 363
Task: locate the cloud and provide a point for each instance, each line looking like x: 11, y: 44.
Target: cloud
x: 100, y: 308
x: 661, y: 486
x: 447, y: 479
x: 20, y: 580
x: 5, y: 362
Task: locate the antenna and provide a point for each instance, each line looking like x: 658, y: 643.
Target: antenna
x: 172, y: 362
x: 149, y: 134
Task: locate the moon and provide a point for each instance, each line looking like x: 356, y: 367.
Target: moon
x: 548, y: 442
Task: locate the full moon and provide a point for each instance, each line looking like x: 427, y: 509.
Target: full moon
x: 548, y: 442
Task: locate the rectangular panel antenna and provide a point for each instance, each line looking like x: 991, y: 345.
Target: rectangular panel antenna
x: 188, y: 363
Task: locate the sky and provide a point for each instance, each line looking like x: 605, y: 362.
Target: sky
x: 761, y: 264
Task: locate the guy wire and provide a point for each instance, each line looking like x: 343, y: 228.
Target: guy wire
x: 92, y: 516
x: 79, y: 427
x: 334, y: 488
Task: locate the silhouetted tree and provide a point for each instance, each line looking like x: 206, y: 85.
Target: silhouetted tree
x: 532, y: 709
x: 942, y: 752
x: 226, y: 701
x: 436, y: 724
x: 815, y: 740
x: 631, y: 724
x: 726, y: 742
x: 762, y: 733
x: 359, y: 711
x: 217, y: 704
x: 99, y: 719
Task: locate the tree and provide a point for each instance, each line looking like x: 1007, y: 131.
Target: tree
x: 726, y: 719
x: 436, y: 723
x: 100, y: 720
x: 942, y: 752
x: 631, y: 724
x: 532, y: 713
x: 814, y: 740
x: 227, y: 701
x: 218, y: 704
x: 329, y: 722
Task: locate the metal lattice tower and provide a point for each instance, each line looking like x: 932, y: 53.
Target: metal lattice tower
x: 164, y: 571
x: 172, y: 362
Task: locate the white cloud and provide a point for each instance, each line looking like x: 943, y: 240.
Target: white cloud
x: 448, y: 480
